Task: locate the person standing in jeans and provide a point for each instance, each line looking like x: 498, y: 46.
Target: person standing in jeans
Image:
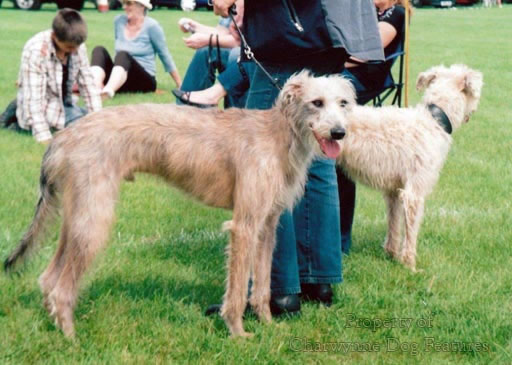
x: 287, y: 37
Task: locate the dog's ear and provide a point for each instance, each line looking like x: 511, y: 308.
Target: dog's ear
x: 425, y: 78
x: 346, y: 87
x: 471, y: 82
x: 294, y: 87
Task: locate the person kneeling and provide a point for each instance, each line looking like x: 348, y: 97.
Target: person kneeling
x: 51, y: 62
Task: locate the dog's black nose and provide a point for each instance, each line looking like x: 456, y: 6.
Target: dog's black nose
x: 337, y: 133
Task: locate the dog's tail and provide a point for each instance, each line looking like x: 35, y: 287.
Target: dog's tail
x: 45, y: 211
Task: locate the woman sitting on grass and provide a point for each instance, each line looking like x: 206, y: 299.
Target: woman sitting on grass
x: 137, y: 39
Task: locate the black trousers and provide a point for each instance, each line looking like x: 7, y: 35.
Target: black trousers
x: 138, y: 79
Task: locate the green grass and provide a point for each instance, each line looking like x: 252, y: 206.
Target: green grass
x: 143, y: 300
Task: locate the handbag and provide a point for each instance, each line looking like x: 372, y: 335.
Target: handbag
x: 214, y: 63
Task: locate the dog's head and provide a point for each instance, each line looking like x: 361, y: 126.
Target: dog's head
x: 457, y: 86
x: 317, y: 108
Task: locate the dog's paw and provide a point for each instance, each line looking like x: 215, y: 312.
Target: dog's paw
x: 242, y: 334
x: 409, y: 262
x: 391, y: 251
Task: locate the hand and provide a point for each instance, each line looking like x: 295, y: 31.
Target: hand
x: 221, y: 7
x: 187, y: 25
x: 197, y: 40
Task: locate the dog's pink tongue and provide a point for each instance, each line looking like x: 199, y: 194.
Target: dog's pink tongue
x: 330, y: 147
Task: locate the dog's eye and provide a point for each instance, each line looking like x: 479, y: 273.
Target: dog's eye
x: 343, y: 103
x: 318, y: 103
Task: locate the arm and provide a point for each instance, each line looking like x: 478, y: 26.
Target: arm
x: 387, y: 33
x: 199, y: 40
x: 221, y: 7
x: 33, y: 82
x: 197, y: 27
x: 176, y: 77
x: 85, y: 81
x: 157, y: 36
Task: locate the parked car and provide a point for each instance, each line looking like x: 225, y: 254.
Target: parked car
x: 113, y: 4
x: 466, y: 2
x: 436, y: 3
x: 184, y: 4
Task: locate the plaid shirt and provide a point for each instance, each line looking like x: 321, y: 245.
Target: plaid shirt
x: 40, y: 99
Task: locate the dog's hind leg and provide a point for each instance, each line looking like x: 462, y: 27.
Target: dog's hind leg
x: 394, y: 215
x: 262, y: 266
x: 413, y: 213
x: 87, y: 220
x: 48, y: 279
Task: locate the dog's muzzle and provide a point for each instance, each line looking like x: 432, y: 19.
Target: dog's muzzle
x: 337, y: 133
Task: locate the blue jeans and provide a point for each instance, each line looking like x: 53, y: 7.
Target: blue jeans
x: 308, y: 239
x: 234, y: 80
x: 73, y: 112
x: 197, y: 75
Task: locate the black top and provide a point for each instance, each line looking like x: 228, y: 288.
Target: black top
x: 372, y: 76
x: 65, y: 78
x: 287, y: 31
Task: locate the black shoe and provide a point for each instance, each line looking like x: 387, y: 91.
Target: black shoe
x: 215, y: 309
x: 212, y: 309
x: 285, y: 304
x: 8, y: 117
x: 184, y: 97
x: 317, y: 293
x: 279, y: 305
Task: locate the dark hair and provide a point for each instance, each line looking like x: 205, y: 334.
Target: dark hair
x: 69, y: 26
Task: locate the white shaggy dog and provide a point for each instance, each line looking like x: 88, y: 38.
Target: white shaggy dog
x: 401, y: 151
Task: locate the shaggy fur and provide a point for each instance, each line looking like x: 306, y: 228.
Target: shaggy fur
x: 401, y: 151
x: 253, y: 162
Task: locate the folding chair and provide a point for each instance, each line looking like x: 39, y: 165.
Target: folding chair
x: 391, y: 88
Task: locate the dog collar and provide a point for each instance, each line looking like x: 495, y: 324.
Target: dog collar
x: 441, y: 117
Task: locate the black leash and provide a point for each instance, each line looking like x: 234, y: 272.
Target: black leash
x: 441, y: 117
x: 247, y: 50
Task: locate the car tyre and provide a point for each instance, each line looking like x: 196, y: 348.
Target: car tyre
x: 27, y: 4
x: 114, y: 4
x: 417, y: 3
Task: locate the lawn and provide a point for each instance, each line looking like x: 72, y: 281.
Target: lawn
x: 144, y: 298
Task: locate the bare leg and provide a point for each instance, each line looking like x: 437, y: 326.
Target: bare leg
x: 212, y: 95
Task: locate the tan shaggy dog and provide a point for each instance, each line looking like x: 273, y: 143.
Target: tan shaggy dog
x: 401, y: 151
x: 251, y: 161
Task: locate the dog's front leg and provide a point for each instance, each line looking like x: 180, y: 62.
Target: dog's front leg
x: 241, y: 248
x: 413, y: 209
x: 262, y: 265
x: 394, y: 213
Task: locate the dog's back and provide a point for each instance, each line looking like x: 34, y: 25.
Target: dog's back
x: 383, y: 146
